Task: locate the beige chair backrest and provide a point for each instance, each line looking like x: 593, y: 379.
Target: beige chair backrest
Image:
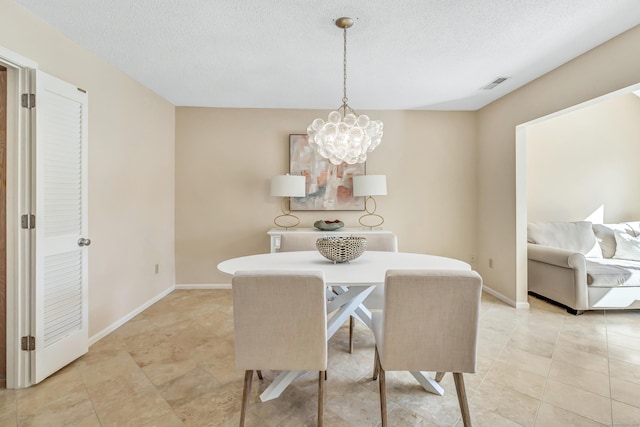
x: 292, y: 242
x: 385, y: 242
x: 430, y: 320
x: 280, y: 320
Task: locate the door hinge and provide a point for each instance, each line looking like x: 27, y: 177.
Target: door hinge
x: 28, y: 221
x: 28, y: 100
x: 28, y: 343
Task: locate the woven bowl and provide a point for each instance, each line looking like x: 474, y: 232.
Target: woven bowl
x: 341, y: 249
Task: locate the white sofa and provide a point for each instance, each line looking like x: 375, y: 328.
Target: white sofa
x: 585, y: 266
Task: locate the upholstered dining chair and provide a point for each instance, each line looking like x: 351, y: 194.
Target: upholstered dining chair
x: 383, y: 242
x: 280, y: 323
x: 292, y: 242
x: 302, y: 242
x: 429, y: 323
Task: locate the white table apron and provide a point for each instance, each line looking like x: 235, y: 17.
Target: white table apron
x: 352, y: 281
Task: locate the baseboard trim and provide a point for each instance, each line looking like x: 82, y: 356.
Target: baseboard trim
x: 106, y: 331
x: 504, y: 299
x: 204, y: 286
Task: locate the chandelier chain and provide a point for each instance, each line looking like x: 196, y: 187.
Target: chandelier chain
x: 344, y: 66
x: 347, y: 137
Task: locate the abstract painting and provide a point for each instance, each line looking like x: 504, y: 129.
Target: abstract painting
x: 328, y: 187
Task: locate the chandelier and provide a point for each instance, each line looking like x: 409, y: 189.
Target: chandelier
x: 346, y: 137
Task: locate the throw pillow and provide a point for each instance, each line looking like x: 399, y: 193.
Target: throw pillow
x: 572, y: 236
x: 627, y: 246
x: 606, y: 237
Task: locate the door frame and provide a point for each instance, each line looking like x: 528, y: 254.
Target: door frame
x: 19, y: 201
x: 521, y: 132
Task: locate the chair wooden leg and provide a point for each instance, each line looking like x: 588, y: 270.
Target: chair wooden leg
x: 462, y: 399
x: 321, y: 379
x: 259, y: 374
x: 246, y: 392
x: 376, y: 362
x: 439, y: 376
x: 383, y: 395
x: 351, y: 324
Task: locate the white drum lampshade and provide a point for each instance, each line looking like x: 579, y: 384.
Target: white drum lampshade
x: 370, y: 185
x: 287, y: 186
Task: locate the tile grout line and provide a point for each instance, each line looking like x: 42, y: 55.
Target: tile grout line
x: 606, y: 335
x: 546, y: 381
x: 86, y: 389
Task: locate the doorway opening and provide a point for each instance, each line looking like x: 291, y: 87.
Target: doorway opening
x: 15, y: 164
x: 522, y: 131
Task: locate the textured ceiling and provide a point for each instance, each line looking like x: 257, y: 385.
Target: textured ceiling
x: 402, y: 54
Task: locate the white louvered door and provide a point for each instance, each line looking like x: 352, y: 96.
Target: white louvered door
x: 60, y: 300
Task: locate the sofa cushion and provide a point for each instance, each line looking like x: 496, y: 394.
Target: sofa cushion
x: 605, y: 235
x: 627, y: 246
x: 572, y: 236
x: 611, y: 273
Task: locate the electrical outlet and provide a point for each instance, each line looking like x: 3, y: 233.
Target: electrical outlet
x: 472, y: 259
x: 490, y: 262
x: 157, y: 268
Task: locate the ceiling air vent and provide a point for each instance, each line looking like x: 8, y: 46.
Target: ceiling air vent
x: 495, y: 83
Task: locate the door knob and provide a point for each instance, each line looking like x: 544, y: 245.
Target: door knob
x: 84, y: 242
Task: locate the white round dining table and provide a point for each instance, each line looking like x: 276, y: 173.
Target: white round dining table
x: 369, y: 268
x: 353, y: 281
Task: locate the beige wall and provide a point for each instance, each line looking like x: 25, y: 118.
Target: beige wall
x: 586, y: 162
x: 131, y: 169
x: 226, y: 157
x: 607, y: 68
x: 452, y: 176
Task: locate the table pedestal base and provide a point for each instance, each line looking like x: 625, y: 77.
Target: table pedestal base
x: 428, y: 383
x: 344, y: 305
x: 348, y: 302
x: 278, y: 385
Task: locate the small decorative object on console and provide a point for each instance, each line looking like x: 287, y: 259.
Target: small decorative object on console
x: 341, y: 249
x: 328, y: 225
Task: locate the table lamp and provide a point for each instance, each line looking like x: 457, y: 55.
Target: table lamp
x: 368, y: 186
x: 287, y: 186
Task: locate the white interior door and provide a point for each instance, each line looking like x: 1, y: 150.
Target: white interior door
x: 60, y: 312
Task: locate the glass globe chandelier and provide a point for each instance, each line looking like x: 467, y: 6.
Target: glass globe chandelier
x: 346, y: 137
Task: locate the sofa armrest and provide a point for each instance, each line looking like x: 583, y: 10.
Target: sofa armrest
x: 556, y: 256
x: 558, y: 274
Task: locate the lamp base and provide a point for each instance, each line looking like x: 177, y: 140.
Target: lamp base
x: 371, y: 214
x: 290, y: 221
x: 287, y: 216
x: 368, y: 220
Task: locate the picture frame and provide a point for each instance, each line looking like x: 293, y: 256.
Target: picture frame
x: 328, y: 187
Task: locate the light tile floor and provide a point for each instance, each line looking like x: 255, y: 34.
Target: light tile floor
x: 173, y: 365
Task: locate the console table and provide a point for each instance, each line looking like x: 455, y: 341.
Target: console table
x: 276, y: 233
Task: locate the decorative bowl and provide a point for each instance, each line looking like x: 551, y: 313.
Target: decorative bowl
x: 341, y: 249
x: 328, y: 225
